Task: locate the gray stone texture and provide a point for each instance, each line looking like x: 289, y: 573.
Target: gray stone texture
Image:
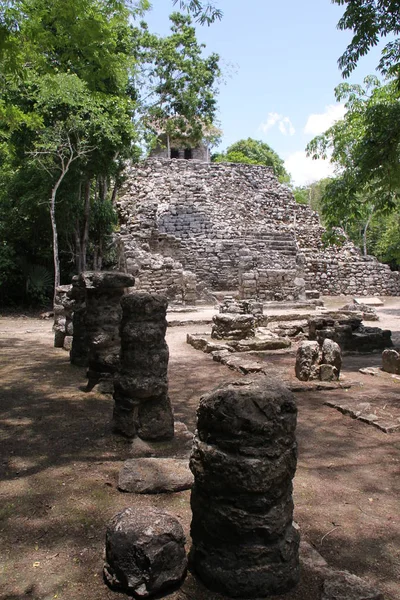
x: 308, y: 359
x: 155, y: 475
x: 348, y: 331
x: 232, y: 226
x: 341, y: 585
x: 391, y: 361
x: 63, y: 309
x: 243, y: 460
x: 141, y: 403
x: 314, y: 362
x: 145, y: 551
x: 233, y: 326
x: 103, y: 293
x: 367, y: 312
x: 79, y: 353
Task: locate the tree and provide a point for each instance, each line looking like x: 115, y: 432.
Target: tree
x: 80, y: 62
x: 371, y: 20
x: 177, y: 95
x: 365, y: 148
x: 203, y: 12
x: 58, y: 148
x: 254, y: 152
x: 311, y: 194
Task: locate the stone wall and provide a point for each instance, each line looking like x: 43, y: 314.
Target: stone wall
x: 219, y: 221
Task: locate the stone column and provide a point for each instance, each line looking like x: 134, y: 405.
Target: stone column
x: 63, y: 307
x: 142, y: 405
x: 79, y: 354
x: 243, y: 460
x: 103, y: 293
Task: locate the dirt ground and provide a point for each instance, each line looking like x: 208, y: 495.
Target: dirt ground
x: 59, y: 463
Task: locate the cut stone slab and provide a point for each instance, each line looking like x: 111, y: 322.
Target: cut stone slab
x: 341, y: 585
x: 373, y: 301
x: 374, y: 371
x: 155, y: 475
x: 363, y: 412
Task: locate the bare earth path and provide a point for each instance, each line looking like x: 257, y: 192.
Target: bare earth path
x: 59, y: 464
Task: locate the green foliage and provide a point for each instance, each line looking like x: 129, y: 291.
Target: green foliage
x: 39, y: 284
x: 254, y: 152
x: 312, y: 194
x: 178, y: 91
x: 203, y: 12
x: 365, y: 144
x: 75, y: 80
x: 371, y: 20
x: 365, y: 147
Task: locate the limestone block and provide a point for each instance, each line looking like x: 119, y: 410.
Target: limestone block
x: 332, y: 355
x: 233, y: 326
x: 308, y: 359
x: 243, y: 461
x: 391, y: 361
x: 141, y: 402
x: 145, y: 551
x: 103, y: 292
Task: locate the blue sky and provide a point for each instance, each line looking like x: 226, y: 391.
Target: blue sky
x: 280, y: 64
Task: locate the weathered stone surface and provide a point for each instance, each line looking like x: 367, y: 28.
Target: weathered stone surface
x: 391, y: 361
x: 367, y: 312
x: 63, y: 310
x: 145, y: 551
x: 308, y: 359
x: 341, y: 585
x: 242, y: 307
x: 331, y: 354
x: 234, y: 227
x: 103, y: 293
x: 347, y: 331
x: 243, y: 461
x: 233, y: 326
x: 328, y: 373
x: 155, y: 475
x: 141, y: 403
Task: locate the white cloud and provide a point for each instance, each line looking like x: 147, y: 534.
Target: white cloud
x: 305, y: 170
x: 284, y: 124
x: 286, y: 127
x: 318, y: 123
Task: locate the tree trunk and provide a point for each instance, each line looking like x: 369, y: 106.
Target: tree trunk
x: 55, y: 239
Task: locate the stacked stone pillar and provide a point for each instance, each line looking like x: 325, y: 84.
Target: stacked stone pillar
x: 79, y: 353
x: 103, y: 293
x: 142, y: 405
x: 63, y: 309
x: 243, y: 460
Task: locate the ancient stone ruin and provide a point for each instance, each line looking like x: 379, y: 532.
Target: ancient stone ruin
x: 142, y: 405
x: 145, y: 551
x: 63, y: 311
x: 79, y: 354
x: 349, y: 332
x: 316, y: 362
x: 188, y: 228
x: 391, y: 361
x: 103, y: 292
x: 243, y: 461
x: 233, y: 326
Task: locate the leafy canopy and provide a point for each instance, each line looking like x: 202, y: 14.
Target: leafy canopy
x: 371, y: 20
x: 254, y: 152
